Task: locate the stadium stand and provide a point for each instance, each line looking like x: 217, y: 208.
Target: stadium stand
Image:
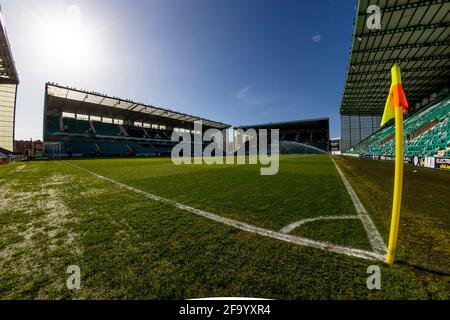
x: 53, y: 124
x: 164, y: 150
x: 106, y: 129
x: 9, y: 82
x: 143, y: 150
x: 135, y: 132
x: 109, y: 148
x: 419, y: 46
x: 74, y: 126
x: 81, y: 148
x: 314, y: 133
x: 418, y: 43
x: 90, y: 124
x: 426, y: 132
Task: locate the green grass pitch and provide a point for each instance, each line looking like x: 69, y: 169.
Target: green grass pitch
x: 52, y: 215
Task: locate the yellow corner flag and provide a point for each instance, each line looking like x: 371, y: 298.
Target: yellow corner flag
x: 396, y: 98
x: 396, y: 105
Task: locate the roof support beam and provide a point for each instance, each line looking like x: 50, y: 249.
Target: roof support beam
x: 404, y: 46
x: 405, y: 79
x: 382, y: 90
x: 405, y: 70
x: 402, y: 30
x: 423, y: 3
x: 404, y: 60
x: 378, y: 86
x: 361, y: 101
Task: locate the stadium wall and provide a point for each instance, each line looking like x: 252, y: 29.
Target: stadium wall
x: 356, y: 128
x: 8, y: 93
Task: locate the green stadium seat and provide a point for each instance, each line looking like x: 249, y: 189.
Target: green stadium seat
x: 53, y: 124
x: 426, y: 144
x: 143, y: 150
x: 75, y: 126
x: 106, y: 129
x: 114, y: 148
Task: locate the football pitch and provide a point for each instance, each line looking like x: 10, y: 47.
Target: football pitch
x: 147, y: 229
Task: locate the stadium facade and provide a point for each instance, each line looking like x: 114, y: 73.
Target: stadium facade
x: 414, y: 34
x: 335, y: 146
x: 303, y: 136
x: 9, y: 82
x: 83, y: 123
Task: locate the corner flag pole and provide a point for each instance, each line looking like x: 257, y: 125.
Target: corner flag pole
x: 398, y: 186
x: 395, y: 106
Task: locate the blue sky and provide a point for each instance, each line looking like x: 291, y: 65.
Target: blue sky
x: 236, y: 61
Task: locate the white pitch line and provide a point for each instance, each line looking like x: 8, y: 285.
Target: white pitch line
x: 367, y: 255
x: 291, y: 227
x: 18, y: 169
x: 375, y: 239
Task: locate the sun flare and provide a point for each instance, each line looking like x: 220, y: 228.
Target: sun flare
x: 65, y: 41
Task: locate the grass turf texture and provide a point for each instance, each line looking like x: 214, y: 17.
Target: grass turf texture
x: 128, y: 247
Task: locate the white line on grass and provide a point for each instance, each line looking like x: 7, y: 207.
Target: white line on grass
x: 375, y: 239
x: 18, y: 169
x: 291, y: 227
x: 247, y: 227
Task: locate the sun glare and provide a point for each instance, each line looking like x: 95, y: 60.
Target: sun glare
x: 65, y: 41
